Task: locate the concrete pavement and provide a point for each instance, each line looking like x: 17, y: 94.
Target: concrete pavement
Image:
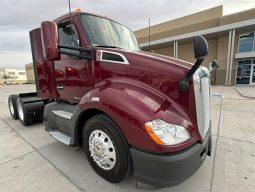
x: 31, y: 160
x: 246, y: 91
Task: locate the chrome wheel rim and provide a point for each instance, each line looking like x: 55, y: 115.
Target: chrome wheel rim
x: 20, y: 110
x: 102, y: 150
x: 11, y: 107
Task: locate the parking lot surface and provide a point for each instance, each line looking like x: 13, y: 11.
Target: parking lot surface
x: 31, y: 160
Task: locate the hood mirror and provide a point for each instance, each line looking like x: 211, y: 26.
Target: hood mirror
x: 200, y: 47
x: 200, y: 51
x: 213, y: 66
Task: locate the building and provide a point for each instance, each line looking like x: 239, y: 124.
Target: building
x: 230, y: 38
x: 30, y: 73
x: 13, y: 75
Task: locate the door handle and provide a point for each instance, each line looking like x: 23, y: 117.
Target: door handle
x: 60, y: 87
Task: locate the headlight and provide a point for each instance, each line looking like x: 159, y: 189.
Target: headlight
x: 165, y: 133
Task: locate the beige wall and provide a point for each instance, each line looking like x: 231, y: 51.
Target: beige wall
x: 222, y: 52
x: 178, y: 31
x: 197, y: 21
x: 237, y: 17
x: 202, y: 20
x: 168, y: 51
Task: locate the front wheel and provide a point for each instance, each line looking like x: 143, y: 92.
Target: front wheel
x: 105, y: 149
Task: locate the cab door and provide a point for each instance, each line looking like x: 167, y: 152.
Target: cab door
x: 73, y: 74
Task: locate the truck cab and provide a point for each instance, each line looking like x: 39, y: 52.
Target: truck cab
x: 128, y: 109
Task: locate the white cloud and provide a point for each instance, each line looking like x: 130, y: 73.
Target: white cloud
x: 15, y: 59
x: 17, y: 18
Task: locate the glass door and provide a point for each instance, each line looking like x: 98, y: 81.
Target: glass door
x: 244, y: 72
x: 252, y: 78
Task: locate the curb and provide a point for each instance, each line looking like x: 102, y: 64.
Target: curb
x: 243, y: 95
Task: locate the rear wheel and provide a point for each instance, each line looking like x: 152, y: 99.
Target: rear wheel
x: 105, y: 149
x: 24, y: 117
x: 12, y: 100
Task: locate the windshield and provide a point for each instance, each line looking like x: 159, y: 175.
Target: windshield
x: 104, y: 32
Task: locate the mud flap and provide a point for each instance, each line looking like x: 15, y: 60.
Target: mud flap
x: 209, y: 153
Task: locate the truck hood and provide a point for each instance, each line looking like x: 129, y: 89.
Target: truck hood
x: 162, y: 58
x: 152, y: 61
x: 157, y: 63
x: 147, y: 64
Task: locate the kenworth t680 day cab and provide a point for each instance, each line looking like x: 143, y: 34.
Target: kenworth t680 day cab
x: 128, y: 109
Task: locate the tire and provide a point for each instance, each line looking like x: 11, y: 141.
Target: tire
x: 24, y: 117
x: 12, y: 100
x: 115, y: 168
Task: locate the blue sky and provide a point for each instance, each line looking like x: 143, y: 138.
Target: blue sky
x: 17, y: 18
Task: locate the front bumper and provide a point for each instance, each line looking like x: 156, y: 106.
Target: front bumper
x: 170, y: 169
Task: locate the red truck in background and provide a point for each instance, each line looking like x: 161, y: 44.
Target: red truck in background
x: 128, y: 109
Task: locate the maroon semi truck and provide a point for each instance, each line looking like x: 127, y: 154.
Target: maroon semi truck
x: 129, y: 110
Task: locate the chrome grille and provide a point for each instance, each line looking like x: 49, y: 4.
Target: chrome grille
x: 202, y: 89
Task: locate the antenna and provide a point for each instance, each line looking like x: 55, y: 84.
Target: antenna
x: 69, y: 7
x: 71, y: 21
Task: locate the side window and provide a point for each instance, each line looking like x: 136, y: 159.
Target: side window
x: 69, y: 36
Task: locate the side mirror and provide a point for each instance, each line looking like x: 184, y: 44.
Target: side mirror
x: 213, y: 66
x: 200, y: 47
x: 50, y: 40
x: 200, y: 51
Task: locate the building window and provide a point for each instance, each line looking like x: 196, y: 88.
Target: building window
x: 245, y: 72
x: 11, y: 73
x: 22, y: 73
x: 247, y: 42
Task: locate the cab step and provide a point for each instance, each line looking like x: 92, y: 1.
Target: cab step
x: 63, y: 114
x: 60, y: 136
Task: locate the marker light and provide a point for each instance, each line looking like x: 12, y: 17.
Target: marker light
x: 164, y: 133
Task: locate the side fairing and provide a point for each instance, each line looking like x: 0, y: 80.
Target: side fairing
x: 43, y: 70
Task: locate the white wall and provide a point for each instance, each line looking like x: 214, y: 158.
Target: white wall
x: 20, y: 74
